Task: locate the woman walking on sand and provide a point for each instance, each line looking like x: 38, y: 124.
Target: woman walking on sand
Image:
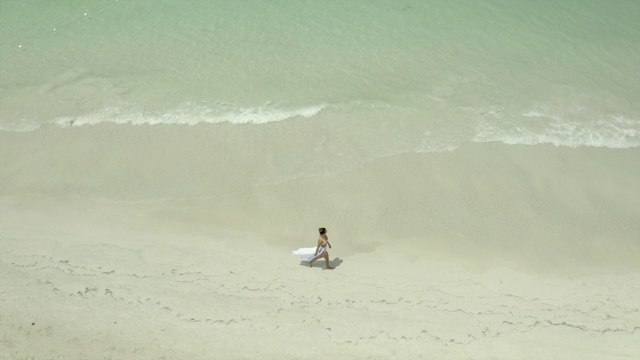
x: 320, y: 251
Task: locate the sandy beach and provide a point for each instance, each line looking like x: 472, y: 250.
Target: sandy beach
x: 121, y: 289
x: 98, y: 279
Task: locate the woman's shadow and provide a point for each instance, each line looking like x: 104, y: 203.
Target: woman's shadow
x: 319, y: 263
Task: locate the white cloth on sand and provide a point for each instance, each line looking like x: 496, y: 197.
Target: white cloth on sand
x: 306, y: 254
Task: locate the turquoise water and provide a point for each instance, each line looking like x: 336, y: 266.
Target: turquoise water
x: 517, y: 72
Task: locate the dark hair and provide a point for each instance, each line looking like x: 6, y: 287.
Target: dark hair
x: 322, y: 230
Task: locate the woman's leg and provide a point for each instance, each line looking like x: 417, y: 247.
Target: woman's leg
x: 314, y: 259
x: 326, y: 258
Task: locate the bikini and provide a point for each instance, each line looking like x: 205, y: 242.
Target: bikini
x: 322, y: 249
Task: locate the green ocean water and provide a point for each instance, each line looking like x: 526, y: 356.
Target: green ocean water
x: 454, y: 70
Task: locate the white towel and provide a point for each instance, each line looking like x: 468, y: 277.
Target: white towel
x: 306, y: 254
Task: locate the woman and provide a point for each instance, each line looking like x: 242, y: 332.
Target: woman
x: 313, y: 254
x: 321, y: 249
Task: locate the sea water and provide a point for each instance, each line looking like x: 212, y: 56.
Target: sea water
x: 171, y: 100
x: 517, y: 72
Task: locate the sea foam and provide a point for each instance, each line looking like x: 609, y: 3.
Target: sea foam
x: 194, y: 114
x: 540, y: 127
x: 615, y: 132
x: 489, y: 124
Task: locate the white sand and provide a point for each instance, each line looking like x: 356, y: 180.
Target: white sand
x: 487, y: 252
x: 83, y: 279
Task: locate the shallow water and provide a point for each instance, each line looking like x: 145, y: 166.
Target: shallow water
x: 514, y: 72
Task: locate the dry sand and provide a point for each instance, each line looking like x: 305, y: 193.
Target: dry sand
x: 103, y: 280
x: 491, y: 251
